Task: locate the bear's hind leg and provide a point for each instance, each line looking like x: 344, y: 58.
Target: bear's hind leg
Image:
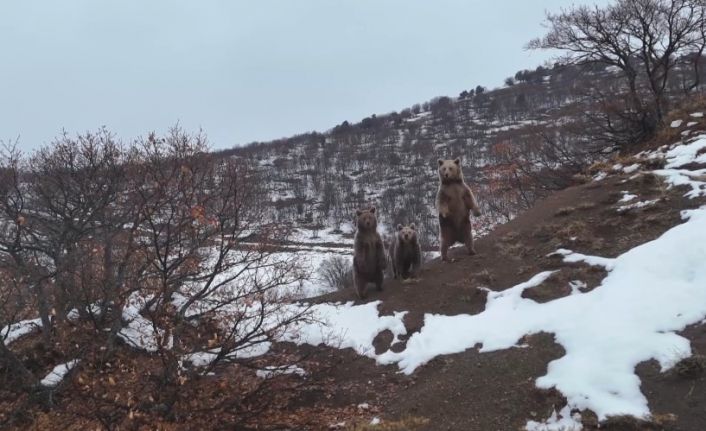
x: 444, y: 248
x: 359, y: 283
x: 468, y: 239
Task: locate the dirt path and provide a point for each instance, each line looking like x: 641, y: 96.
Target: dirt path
x: 496, y: 391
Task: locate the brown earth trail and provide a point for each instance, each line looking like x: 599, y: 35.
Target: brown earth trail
x: 496, y: 391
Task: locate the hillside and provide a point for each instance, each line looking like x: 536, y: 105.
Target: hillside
x: 584, y: 312
x: 518, y: 144
x: 319, y: 179
x: 631, y: 214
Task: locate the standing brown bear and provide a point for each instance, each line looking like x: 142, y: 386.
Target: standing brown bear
x: 405, y: 252
x: 454, y: 202
x: 369, y: 260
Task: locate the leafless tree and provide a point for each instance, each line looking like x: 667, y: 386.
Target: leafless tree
x: 646, y: 40
x: 158, y: 245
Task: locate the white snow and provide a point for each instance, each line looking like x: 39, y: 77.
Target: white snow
x: 600, y: 176
x: 571, y: 257
x: 637, y: 205
x: 697, y: 114
x: 319, y: 236
x: 564, y: 421
x: 696, y: 180
x: 269, y: 372
x: 19, y: 329
x: 632, y: 168
x: 375, y: 421
x: 676, y: 123
x: 94, y: 309
x: 335, y: 325
x: 347, y: 325
x: 576, y: 286
x: 692, y: 123
x: 680, y: 155
x: 56, y: 375
x: 202, y: 359
x: 627, y: 196
x: 651, y: 292
x: 140, y: 332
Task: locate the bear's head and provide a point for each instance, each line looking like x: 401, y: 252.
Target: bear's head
x: 407, y: 234
x: 366, y: 219
x: 450, y: 170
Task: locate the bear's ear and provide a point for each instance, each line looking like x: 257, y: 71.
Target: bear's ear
x: 457, y: 160
x: 441, y: 162
x: 413, y: 226
x: 358, y: 212
x: 400, y: 227
x: 372, y: 210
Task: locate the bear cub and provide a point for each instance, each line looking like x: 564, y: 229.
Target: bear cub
x: 405, y: 252
x: 369, y: 260
x: 454, y: 203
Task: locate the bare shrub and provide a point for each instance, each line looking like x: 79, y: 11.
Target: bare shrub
x: 337, y: 272
x: 156, y: 246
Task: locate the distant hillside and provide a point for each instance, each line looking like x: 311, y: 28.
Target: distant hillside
x: 538, y: 118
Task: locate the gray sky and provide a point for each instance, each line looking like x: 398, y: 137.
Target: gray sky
x: 246, y: 71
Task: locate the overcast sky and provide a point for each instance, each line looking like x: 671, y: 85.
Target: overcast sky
x: 246, y: 71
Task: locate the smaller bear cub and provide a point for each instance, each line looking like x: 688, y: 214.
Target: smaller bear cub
x: 405, y: 252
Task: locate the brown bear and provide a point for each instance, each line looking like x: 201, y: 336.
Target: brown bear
x: 405, y: 253
x: 454, y: 202
x: 369, y: 261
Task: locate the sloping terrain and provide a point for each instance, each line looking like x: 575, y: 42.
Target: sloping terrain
x: 586, y: 311
x: 625, y: 207
x: 319, y: 179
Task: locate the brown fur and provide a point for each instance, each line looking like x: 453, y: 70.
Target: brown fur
x: 454, y: 203
x: 405, y: 252
x: 369, y: 261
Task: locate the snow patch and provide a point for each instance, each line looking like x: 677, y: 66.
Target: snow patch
x: 632, y: 168
x: 269, y: 372
x: 14, y: 331
x: 571, y: 257
x: 565, y: 421
x: 680, y: 155
x: 637, y: 205
x: 600, y: 176
x: 140, y: 332
x: 676, y: 123
x: 56, y: 375
x: 576, y: 286
x: 627, y: 196
x: 348, y: 326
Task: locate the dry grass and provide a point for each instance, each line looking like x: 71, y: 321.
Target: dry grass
x: 670, y: 135
x: 581, y: 179
x: 574, y: 229
x: 545, y: 232
x: 599, y: 167
x: 586, y: 206
x: 691, y: 367
x: 561, y: 212
x: 482, y: 278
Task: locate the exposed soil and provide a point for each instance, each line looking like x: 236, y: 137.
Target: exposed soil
x: 496, y: 391
x: 491, y: 391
